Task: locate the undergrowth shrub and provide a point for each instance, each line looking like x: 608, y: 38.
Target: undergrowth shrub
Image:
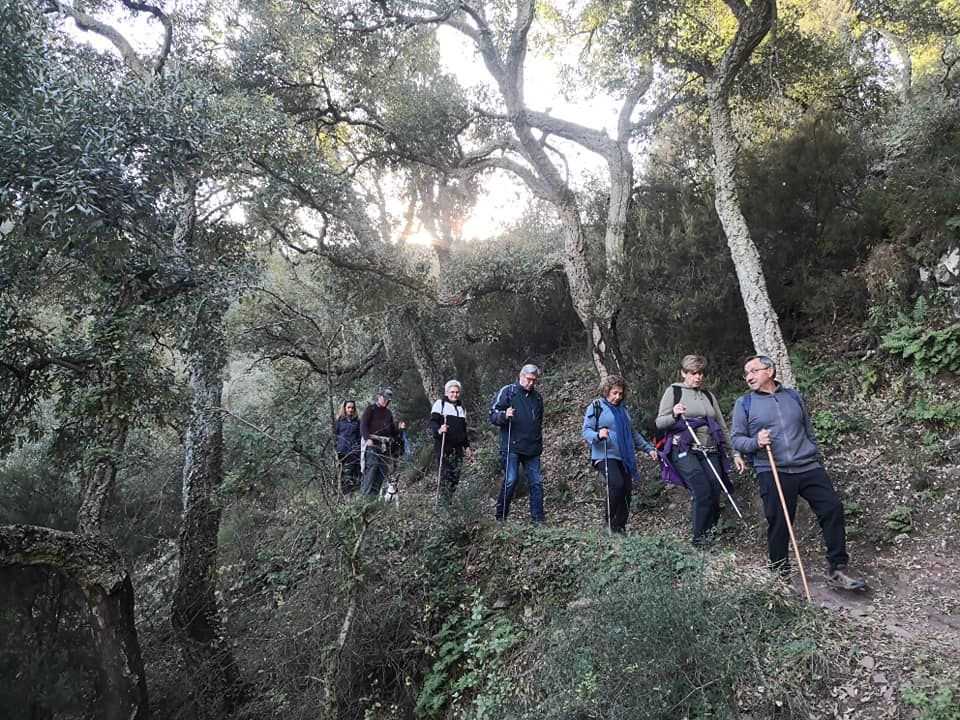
x: 658, y: 641
x: 470, y: 646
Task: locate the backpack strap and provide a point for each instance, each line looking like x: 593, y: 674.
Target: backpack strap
x: 677, y: 393
x: 597, y: 409
x: 748, y: 398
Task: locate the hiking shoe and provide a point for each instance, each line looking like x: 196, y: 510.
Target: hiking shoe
x: 843, y: 578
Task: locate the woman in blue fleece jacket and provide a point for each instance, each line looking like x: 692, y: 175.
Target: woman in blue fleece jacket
x: 613, y: 445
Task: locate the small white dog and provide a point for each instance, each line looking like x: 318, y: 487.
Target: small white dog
x: 388, y: 493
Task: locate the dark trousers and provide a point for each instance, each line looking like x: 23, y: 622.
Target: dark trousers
x: 376, y: 470
x: 349, y: 471
x: 704, y: 489
x: 815, y: 487
x: 618, y: 488
x: 451, y: 465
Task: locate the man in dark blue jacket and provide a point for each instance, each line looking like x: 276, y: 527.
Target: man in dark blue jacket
x: 775, y: 417
x: 518, y: 411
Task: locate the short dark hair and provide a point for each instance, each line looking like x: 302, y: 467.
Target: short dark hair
x: 765, y: 360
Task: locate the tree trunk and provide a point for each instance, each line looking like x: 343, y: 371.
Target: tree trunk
x: 100, y: 485
x: 601, y: 326
x: 196, y: 619
x: 597, y: 310
x: 423, y: 357
x: 95, y: 566
x: 763, y: 320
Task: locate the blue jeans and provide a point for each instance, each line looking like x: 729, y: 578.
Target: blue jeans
x: 531, y: 466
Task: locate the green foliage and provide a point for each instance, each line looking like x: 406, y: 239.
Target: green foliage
x: 938, y: 704
x: 900, y: 520
x: 946, y: 414
x: 929, y: 350
x: 808, y: 240
x: 655, y: 642
x: 469, y: 648
x: 851, y: 509
x: 832, y: 425
x: 917, y: 185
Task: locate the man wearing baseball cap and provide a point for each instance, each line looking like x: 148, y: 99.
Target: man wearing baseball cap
x: 377, y: 431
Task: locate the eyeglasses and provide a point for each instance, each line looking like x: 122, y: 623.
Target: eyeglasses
x: 749, y: 372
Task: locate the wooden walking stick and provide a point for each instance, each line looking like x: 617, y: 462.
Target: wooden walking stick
x: 443, y: 440
x: 786, y: 517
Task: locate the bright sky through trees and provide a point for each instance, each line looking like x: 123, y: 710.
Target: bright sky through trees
x: 503, y: 197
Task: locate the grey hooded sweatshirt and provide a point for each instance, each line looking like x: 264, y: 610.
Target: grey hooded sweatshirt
x: 792, y: 439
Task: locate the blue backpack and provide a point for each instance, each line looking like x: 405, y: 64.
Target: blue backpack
x: 748, y: 398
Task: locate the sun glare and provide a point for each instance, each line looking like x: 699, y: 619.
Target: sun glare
x: 421, y: 237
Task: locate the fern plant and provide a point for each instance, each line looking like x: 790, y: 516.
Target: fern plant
x: 929, y: 350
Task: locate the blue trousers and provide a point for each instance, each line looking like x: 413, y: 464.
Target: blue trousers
x: 531, y: 467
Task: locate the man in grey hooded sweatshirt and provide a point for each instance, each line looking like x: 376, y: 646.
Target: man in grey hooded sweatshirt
x: 775, y: 417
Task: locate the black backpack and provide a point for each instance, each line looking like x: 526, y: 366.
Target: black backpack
x: 660, y: 436
x: 597, y: 409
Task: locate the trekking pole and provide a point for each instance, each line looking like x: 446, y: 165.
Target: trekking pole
x: 443, y: 440
x: 506, y: 469
x: 786, y: 517
x: 606, y: 477
x: 723, y: 486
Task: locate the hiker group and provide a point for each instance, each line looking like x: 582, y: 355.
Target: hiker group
x: 771, y: 429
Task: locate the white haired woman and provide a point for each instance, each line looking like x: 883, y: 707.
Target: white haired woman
x: 448, y: 423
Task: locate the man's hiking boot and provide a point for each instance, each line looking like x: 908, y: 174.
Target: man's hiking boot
x: 843, y: 578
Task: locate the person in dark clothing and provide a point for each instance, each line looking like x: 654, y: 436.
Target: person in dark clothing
x: 613, y: 445
x: 377, y: 431
x: 688, y: 402
x: 448, y: 423
x: 775, y: 417
x: 518, y: 411
x: 347, y: 438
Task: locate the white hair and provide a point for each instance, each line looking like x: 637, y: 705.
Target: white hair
x: 452, y: 384
x: 530, y: 369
